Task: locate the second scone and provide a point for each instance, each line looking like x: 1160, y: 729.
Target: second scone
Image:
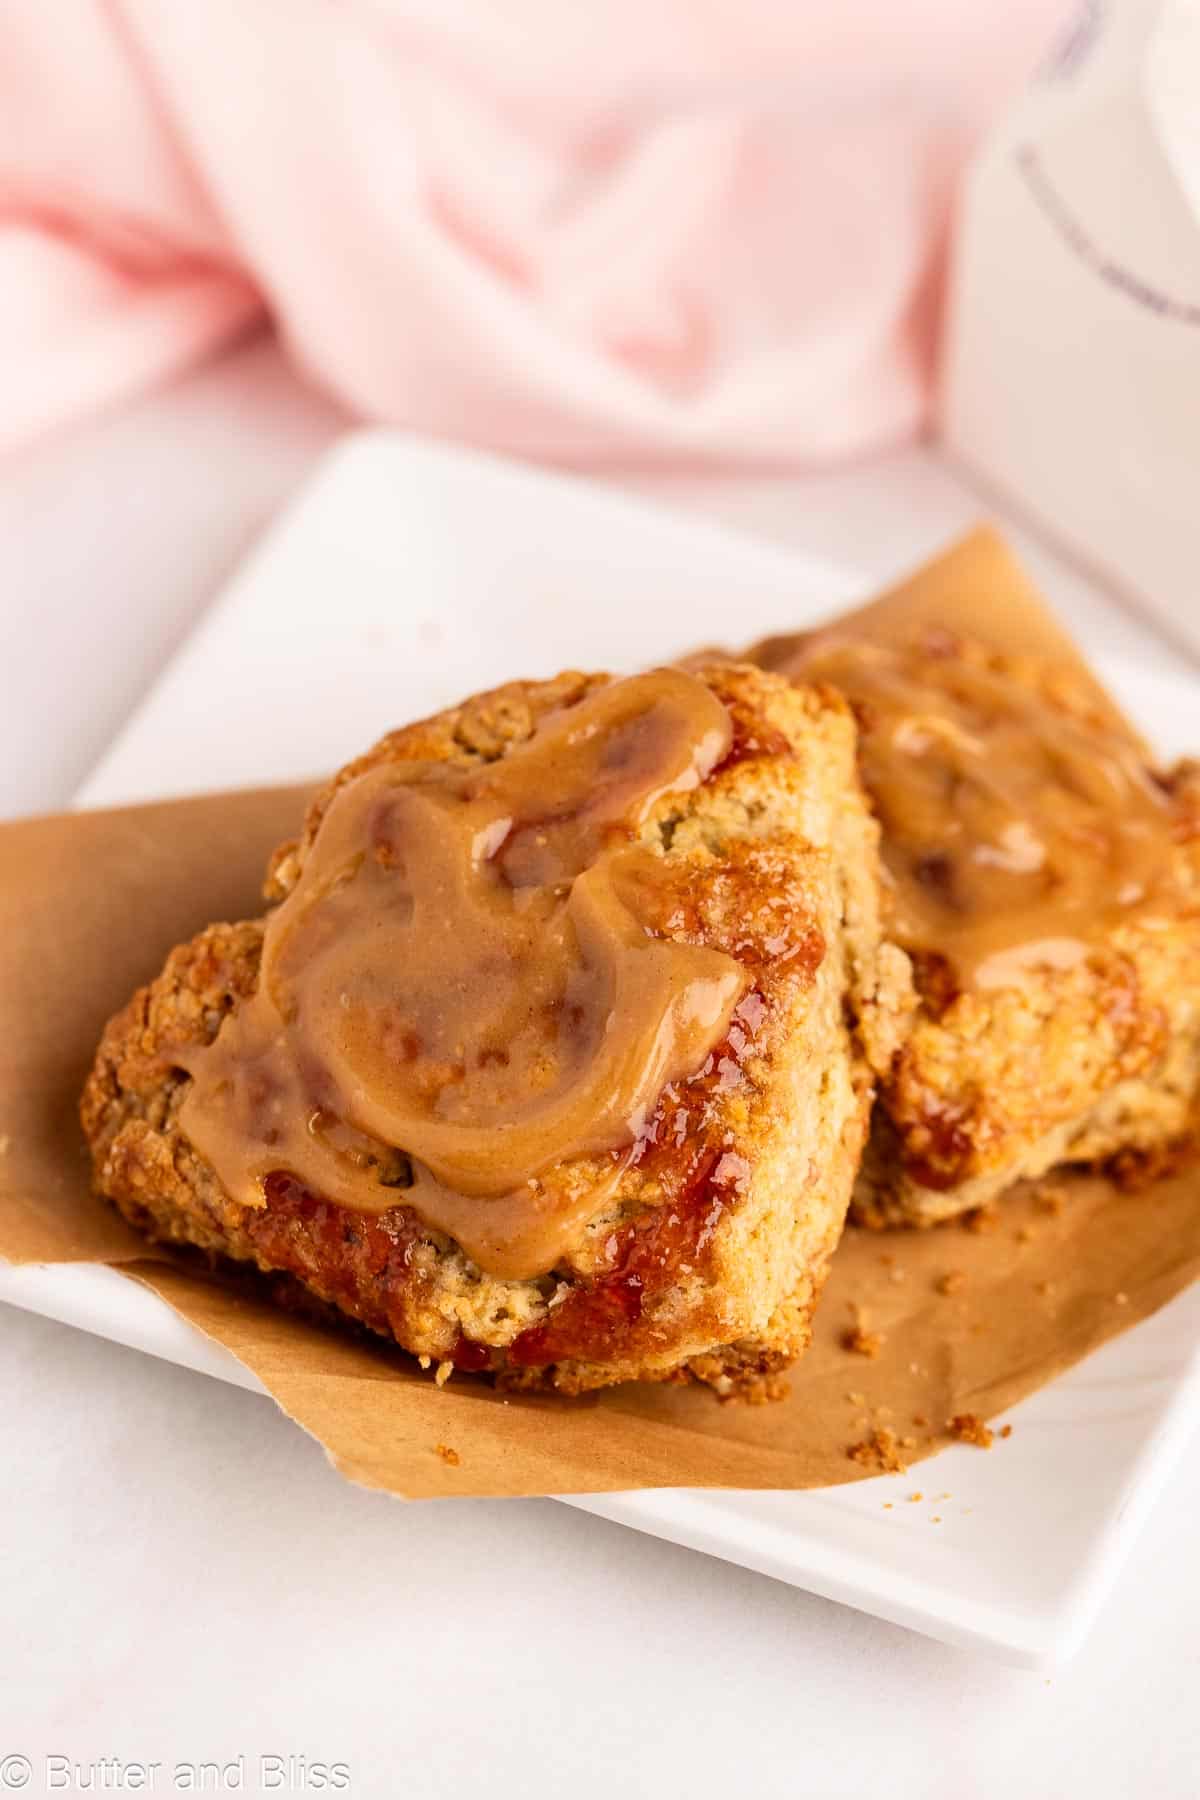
x: 1045, y: 878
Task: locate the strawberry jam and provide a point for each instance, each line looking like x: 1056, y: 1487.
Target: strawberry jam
x: 699, y: 1177
x: 360, y: 1261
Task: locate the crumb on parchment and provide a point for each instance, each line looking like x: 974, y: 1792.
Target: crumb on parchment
x: 449, y: 1455
x: 880, y: 1451
x: 969, y: 1428
x: 952, y: 1282
x: 861, y: 1341
x: 981, y: 1218
x: 757, y: 1390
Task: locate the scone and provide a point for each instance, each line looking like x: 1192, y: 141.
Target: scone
x: 1045, y: 881
x: 553, y: 1057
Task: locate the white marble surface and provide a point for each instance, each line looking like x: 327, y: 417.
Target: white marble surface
x: 184, y: 1578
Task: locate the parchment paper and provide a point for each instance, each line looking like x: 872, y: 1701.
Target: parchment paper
x: 89, y: 905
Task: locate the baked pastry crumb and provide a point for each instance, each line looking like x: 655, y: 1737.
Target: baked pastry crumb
x: 969, y: 1428
x: 879, y: 1451
x: 761, y: 1390
x: 862, y: 1342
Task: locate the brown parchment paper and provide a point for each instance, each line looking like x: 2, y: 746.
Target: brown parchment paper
x: 978, y: 587
x: 89, y: 905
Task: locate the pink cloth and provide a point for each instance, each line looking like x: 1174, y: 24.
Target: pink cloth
x: 683, y: 231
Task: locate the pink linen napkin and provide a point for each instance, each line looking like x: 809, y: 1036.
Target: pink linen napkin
x: 684, y: 232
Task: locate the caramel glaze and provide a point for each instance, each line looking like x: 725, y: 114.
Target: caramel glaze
x: 1019, y: 822
x: 463, y: 991
x: 370, y: 1268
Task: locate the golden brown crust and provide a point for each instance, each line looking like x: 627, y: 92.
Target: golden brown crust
x: 708, y: 1262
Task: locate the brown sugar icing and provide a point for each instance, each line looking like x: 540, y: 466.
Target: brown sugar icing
x: 460, y: 993
x: 1016, y: 830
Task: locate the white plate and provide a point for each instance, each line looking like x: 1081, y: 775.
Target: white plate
x: 406, y: 576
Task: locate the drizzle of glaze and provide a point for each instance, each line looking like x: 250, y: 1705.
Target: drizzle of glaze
x: 468, y: 987
x: 1019, y: 821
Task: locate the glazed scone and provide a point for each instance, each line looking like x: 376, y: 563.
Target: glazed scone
x: 698, y: 1245
x: 1045, y: 881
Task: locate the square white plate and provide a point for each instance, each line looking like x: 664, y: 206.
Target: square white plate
x: 406, y: 576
